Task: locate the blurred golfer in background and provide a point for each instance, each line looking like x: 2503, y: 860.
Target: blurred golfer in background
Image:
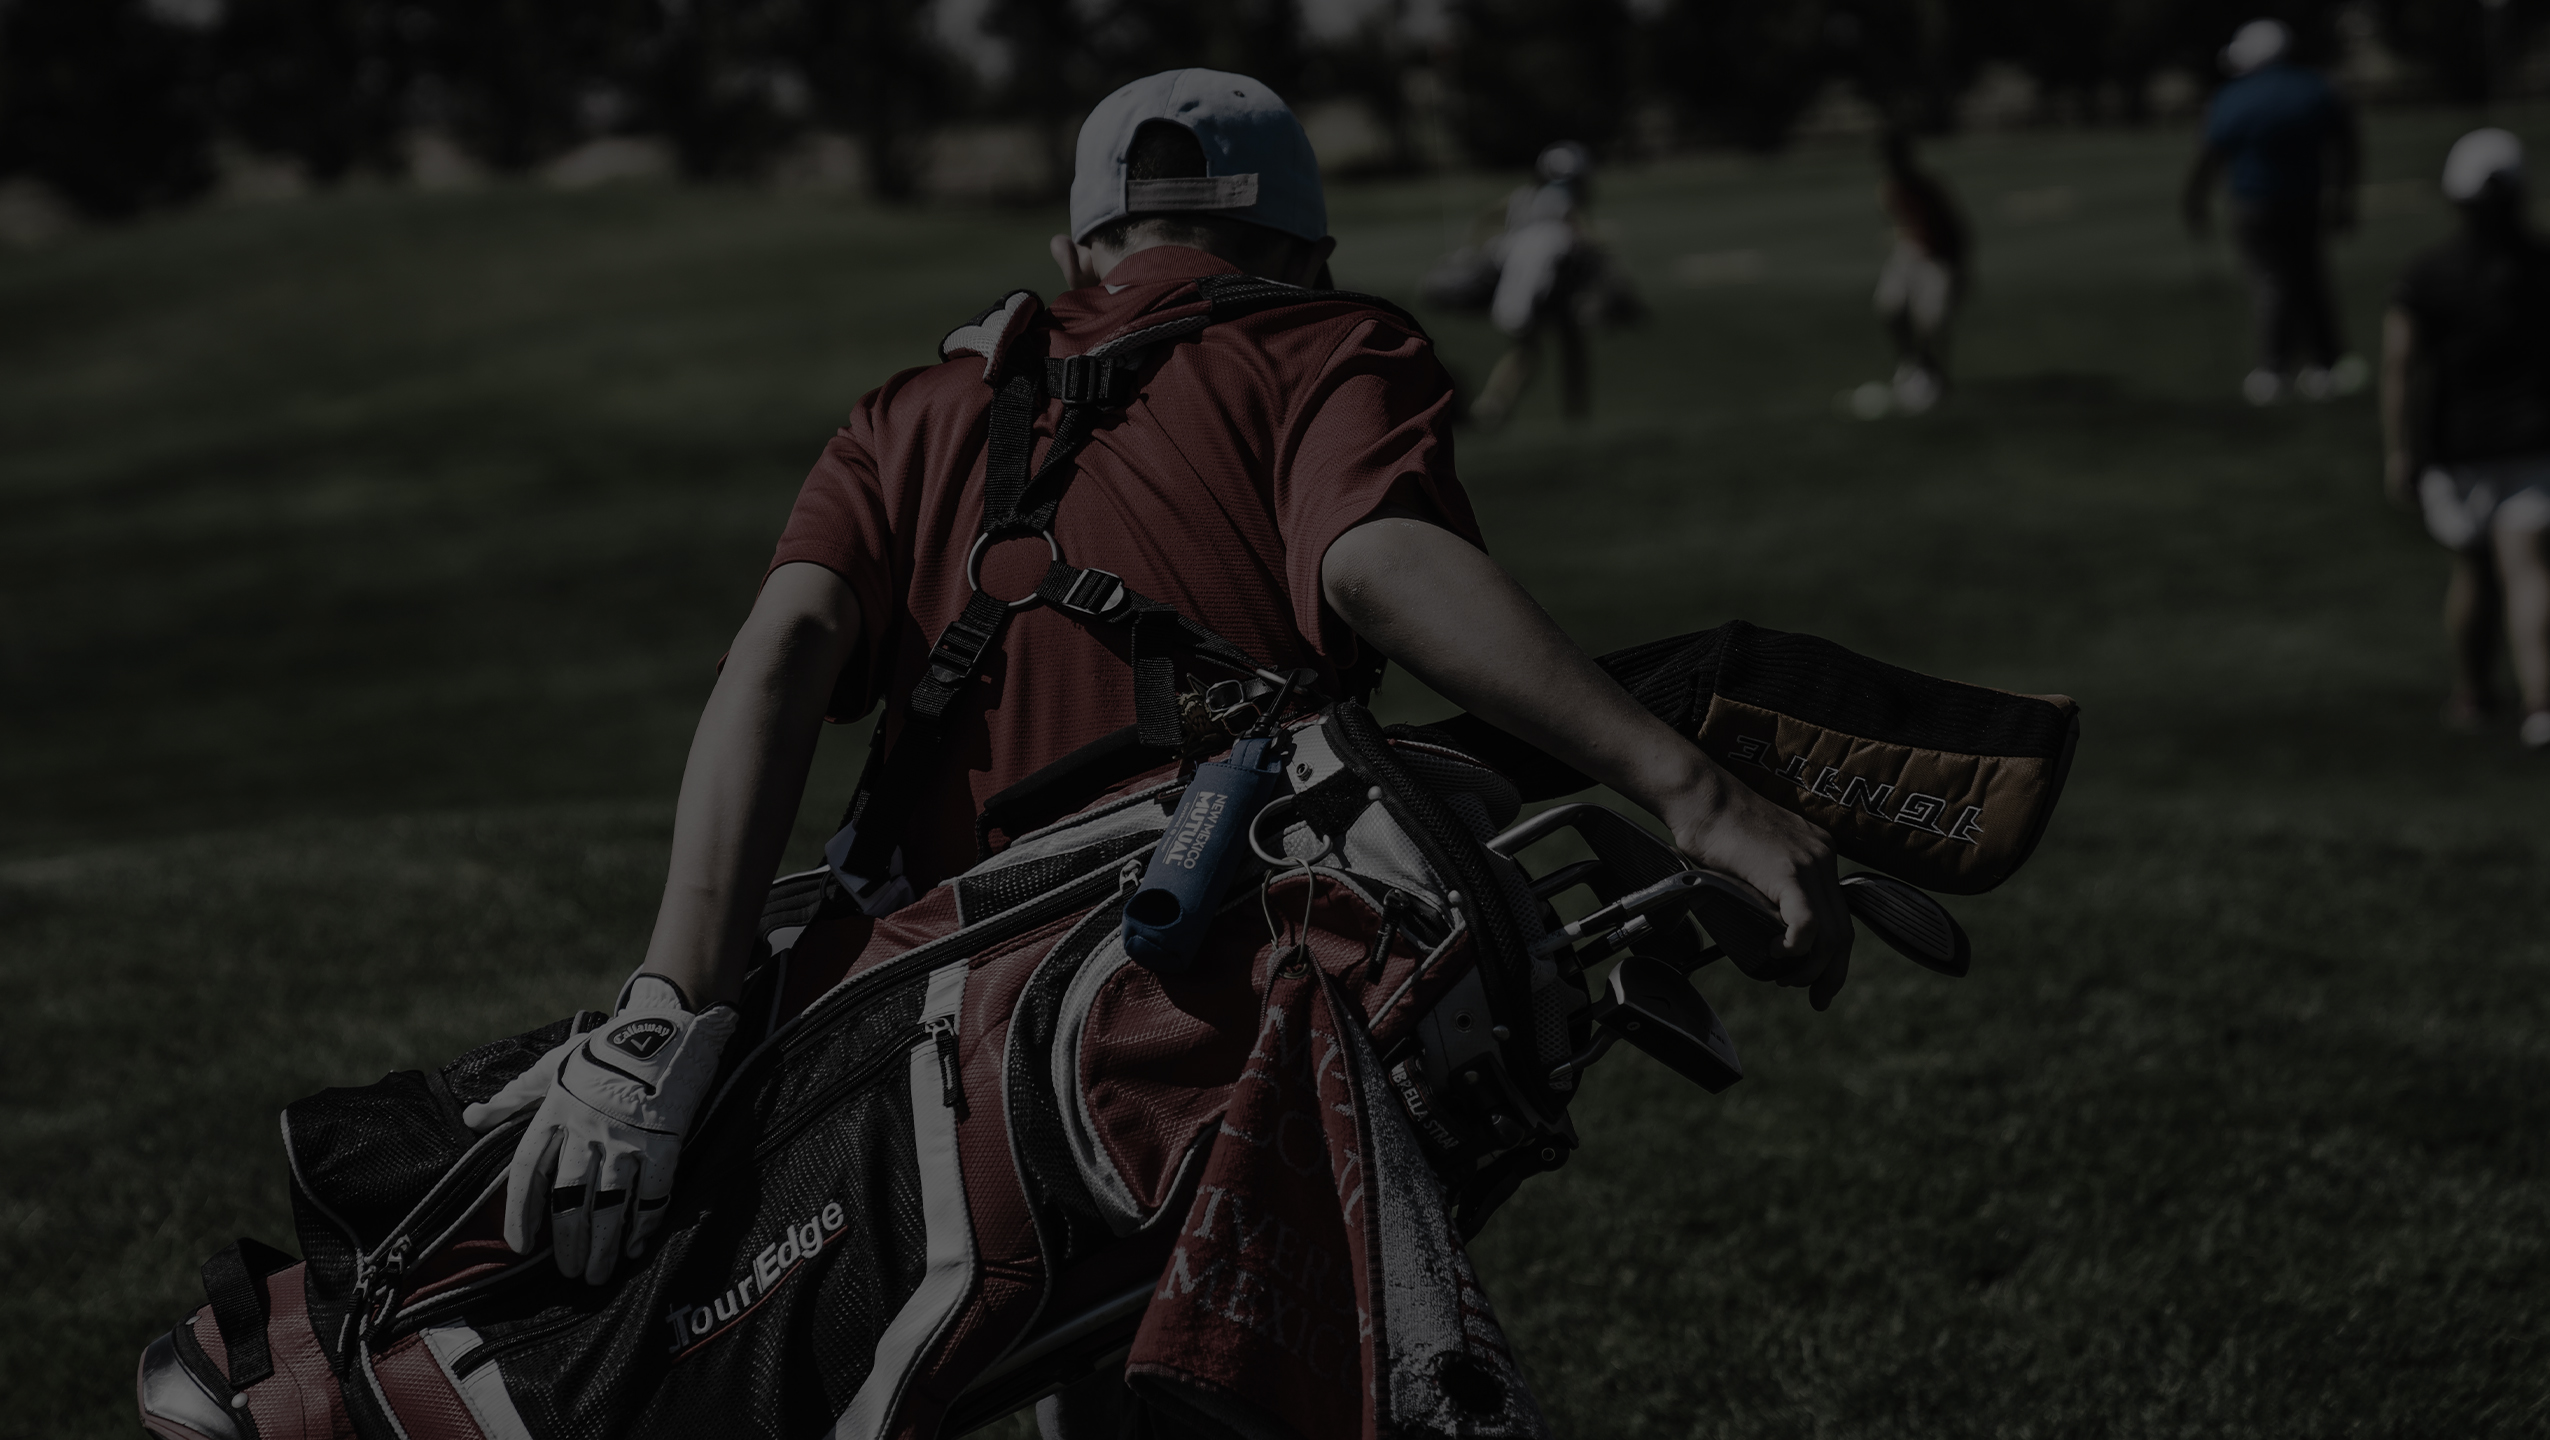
x: 1537, y: 270
x: 2466, y: 425
x: 2289, y: 142
x: 1542, y: 258
x: 1924, y: 276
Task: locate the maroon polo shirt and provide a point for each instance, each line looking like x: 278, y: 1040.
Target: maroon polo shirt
x: 1247, y: 450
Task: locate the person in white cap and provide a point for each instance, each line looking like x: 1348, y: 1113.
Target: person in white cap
x: 2289, y: 143
x: 1279, y: 473
x: 2466, y: 426
x: 1535, y: 268
x: 1542, y: 258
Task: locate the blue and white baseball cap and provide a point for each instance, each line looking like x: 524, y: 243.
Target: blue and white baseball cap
x: 1258, y: 164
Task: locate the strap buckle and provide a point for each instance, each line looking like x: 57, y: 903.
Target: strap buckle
x: 1094, y: 593
x: 1088, y: 379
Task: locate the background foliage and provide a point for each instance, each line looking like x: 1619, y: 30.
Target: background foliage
x: 121, y: 105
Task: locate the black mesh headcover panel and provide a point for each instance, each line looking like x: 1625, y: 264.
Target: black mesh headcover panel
x: 1801, y: 675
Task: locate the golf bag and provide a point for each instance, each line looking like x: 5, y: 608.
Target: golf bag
x: 964, y: 1151
x: 995, y: 1155
x: 992, y: 1120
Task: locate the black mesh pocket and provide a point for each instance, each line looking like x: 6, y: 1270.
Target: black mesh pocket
x: 981, y: 896
x: 361, y: 1159
x: 795, y: 1234
x: 366, y: 1156
x: 1823, y: 684
x: 478, y: 1075
x: 1813, y: 680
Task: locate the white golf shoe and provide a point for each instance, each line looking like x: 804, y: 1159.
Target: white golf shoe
x: 2535, y: 731
x: 1916, y: 389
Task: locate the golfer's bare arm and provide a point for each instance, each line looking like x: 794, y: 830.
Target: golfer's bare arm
x: 1422, y: 596
x: 1441, y: 608
x: 2399, y: 352
x: 746, y: 772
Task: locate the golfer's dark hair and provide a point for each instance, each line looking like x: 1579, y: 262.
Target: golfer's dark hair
x: 1167, y: 150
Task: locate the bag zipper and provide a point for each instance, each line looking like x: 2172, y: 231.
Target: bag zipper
x: 842, y: 1001
x: 376, y: 1274
x: 488, y: 1352
x: 365, y: 1312
x: 423, y: 1313
x: 833, y: 1094
x: 942, y: 1032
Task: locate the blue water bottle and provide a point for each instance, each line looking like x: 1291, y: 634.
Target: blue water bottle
x: 1204, y: 847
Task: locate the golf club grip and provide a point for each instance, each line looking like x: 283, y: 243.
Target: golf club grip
x: 1750, y: 934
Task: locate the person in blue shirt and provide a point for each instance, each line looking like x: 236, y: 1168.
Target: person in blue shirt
x: 2289, y: 143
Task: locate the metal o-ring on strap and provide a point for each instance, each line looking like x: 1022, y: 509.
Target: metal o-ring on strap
x: 974, y: 566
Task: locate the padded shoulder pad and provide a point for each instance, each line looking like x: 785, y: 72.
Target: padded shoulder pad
x: 989, y: 333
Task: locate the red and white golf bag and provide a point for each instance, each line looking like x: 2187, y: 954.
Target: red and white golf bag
x: 975, y: 1154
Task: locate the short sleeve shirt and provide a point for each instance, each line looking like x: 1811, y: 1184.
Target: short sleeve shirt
x: 2481, y: 313
x: 2275, y: 123
x: 1246, y: 451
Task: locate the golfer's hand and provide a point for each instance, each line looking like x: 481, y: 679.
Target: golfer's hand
x: 596, y: 1166
x: 1722, y: 825
x: 520, y: 1093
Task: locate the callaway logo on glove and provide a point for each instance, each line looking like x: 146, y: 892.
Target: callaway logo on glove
x: 642, y: 1038
x: 614, y: 1104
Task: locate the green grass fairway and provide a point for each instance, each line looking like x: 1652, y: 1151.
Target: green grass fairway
x: 363, y: 562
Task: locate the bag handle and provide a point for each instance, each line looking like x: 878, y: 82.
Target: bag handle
x: 234, y: 1281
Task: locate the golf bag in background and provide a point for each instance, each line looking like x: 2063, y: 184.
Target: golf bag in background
x: 1946, y: 785
x: 990, y: 1121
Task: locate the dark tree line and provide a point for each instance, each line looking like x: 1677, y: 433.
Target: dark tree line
x: 121, y: 104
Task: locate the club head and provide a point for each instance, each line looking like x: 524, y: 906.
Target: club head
x: 1910, y: 921
x: 1652, y: 1007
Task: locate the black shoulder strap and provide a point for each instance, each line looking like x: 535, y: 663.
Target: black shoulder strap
x: 1019, y: 503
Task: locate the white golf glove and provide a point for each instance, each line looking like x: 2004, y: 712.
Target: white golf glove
x: 614, y: 1104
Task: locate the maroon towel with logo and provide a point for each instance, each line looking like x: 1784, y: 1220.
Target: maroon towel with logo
x: 1317, y: 1288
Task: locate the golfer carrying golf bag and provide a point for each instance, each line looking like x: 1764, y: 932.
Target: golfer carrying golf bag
x: 1024, y: 1092
x: 1283, y: 478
